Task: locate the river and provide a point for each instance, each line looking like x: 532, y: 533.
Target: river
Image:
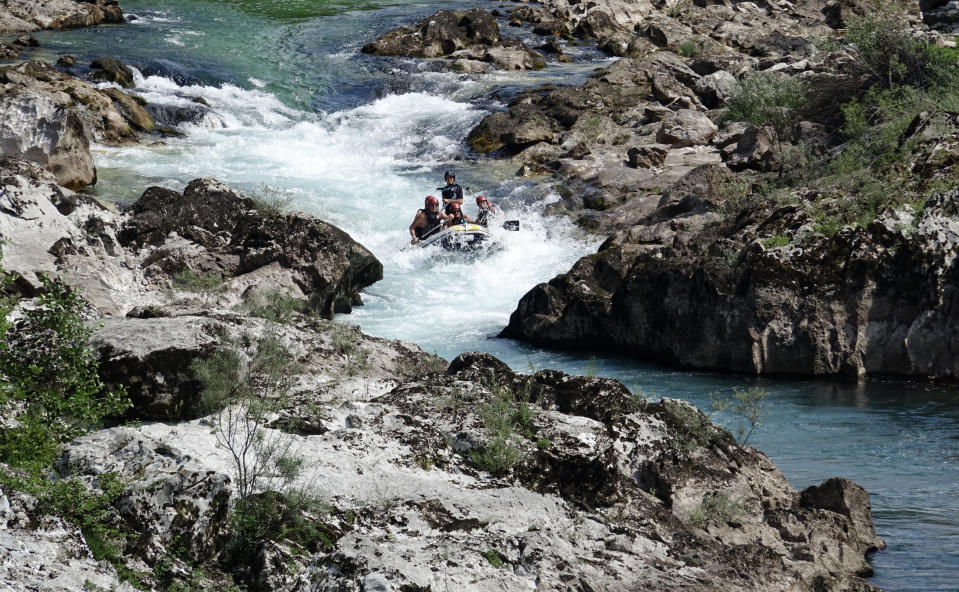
x: 360, y: 141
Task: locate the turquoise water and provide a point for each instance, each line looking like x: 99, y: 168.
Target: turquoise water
x: 360, y: 141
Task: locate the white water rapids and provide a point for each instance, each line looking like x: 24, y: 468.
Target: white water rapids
x: 367, y: 170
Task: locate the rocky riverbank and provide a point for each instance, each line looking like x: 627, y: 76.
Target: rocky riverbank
x: 752, y: 226
x: 423, y: 474
x: 25, y: 16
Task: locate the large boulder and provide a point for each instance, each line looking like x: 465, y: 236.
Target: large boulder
x: 523, y: 126
x: 169, y: 499
x: 829, y: 306
x: 151, y: 358
x: 230, y: 237
x: 101, y: 119
x: 440, y: 34
x: 48, y: 553
x: 112, y: 70
x: 126, y: 261
x: 597, y: 24
x: 30, y: 15
x: 132, y: 109
x: 467, y: 37
x: 34, y: 127
x: 686, y: 128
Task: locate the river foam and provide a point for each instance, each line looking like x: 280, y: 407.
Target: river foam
x: 367, y: 170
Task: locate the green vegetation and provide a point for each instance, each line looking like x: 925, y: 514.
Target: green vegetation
x: 899, y: 93
x: 276, y: 306
x: 767, y: 98
x: 207, y: 284
x: 891, y: 57
x: 271, y: 201
x: 691, y: 431
x: 719, y: 507
x: 50, y: 381
x: 246, y: 392
x: 506, y: 415
x: 51, y: 393
x: 778, y: 240
x: 494, y: 558
x: 345, y: 338
x: 745, y: 404
x: 691, y: 48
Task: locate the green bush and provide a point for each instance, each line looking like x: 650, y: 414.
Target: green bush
x: 890, y: 56
x: 50, y: 382
x: 746, y: 404
x: 204, y: 283
x: 506, y: 415
x: 271, y: 201
x: 767, y: 98
x: 275, y: 306
x: 691, y: 48
x: 719, y: 507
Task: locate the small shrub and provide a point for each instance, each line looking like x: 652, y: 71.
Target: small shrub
x: 778, y: 240
x: 692, y: 431
x: 345, y: 338
x: 494, y: 558
x: 720, y: 508
x: 890, y: 56
x: 271, y: 201
x: 504, y: 414
x: 677, y: 9
x: 206, y: 283
x: 746, y: 404
x: 767, y: 98
x: 690, y: 48
x: 275, y: 306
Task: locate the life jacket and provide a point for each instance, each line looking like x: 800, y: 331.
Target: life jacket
x: 457, y: 220
x: 453, y: 191
x: 482, y: 218
x: 432, y: 222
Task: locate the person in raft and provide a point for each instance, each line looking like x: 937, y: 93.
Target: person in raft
x: 427, y: 221
x: 452, y: 193
x: 456, y: 216
x: 486, y: 209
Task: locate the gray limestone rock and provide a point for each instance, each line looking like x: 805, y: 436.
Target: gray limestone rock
x: 715, y: 88
x: 648, y: 156
x: 34, y: 127
x: 30, y: 15
x: 686, y: 128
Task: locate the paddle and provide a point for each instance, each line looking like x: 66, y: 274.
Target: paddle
x: 419, y: 243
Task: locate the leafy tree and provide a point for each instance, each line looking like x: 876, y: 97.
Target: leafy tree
x: 49, y: 383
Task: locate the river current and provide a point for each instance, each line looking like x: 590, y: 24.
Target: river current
x: 360, y: 141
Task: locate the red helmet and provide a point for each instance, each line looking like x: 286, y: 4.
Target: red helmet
x: 430, y: 199
x: 480, y: 199
x: 454, y: 207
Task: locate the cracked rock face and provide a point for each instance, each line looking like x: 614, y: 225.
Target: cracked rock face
x: 712, y: 301
x: 125, y: 261
x: 18, y: 16
x: 34, y: 127
x: 609, y: 491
